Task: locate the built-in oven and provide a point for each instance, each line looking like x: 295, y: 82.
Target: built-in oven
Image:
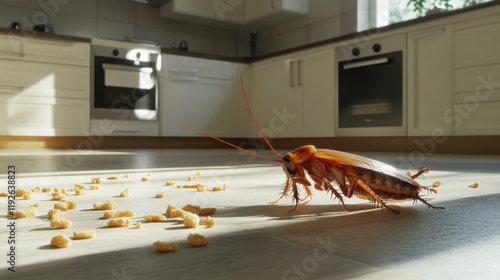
x: 124, y: 80
x: 372, y: 87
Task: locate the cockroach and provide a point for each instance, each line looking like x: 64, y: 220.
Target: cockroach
x: 355, y: 175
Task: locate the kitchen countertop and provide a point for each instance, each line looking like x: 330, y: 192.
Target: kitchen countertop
x: 267, y: 56
x: 253, y: 240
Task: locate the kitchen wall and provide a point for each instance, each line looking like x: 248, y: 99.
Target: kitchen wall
x: 117, y: 19
x: 121, y: 19
x: 327, y: 19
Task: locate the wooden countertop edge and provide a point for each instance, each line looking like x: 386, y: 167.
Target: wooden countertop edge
x: 416, y: 146
x: 42, y: 35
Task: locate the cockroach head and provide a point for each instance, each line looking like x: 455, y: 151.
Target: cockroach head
x: 294, y: 158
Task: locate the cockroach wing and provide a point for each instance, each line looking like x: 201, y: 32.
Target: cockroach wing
x: 337, y: 157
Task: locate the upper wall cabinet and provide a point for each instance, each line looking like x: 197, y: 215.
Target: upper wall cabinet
x: 235, y: 12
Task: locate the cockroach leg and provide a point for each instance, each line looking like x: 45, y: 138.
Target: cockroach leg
x: 334, y: 191
x: 427, y: 203
x: 420, y: 172
x: 356, y: 181
x: 287, y: 185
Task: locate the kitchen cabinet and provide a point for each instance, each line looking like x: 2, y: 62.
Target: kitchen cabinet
x: 295, y: 94
x: 43, y: 116
x: 44, y: 87
x: 477, y: 77
x: 196, y: 93
x: 44, y: 50
x: 279, y: 9
x: 220, y: 12
x: 429, y: 81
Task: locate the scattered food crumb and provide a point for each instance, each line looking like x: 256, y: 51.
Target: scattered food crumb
x: 112, y: 177
x: 475, y: 185
x: 436, y: 184
x: 197, y: 240
x: 160, y: 195
x: 153, y: 218
x: 84, y: 234
x: 119, y: 222
x: 165, y: 247
x: 61, y: 241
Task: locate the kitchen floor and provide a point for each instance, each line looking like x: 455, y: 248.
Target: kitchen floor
x: 252, y: 240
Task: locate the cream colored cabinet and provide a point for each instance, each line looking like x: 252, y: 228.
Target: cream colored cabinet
x: 278, y: 9
x: 430, y: 81
x: 477, y: 77
x: 44, y: 87
x: 43, y: 116
x: 45, y: 50
x: 196, y: 93
x: 295, y: 95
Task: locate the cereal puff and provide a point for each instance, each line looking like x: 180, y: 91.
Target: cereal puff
x: 192, y: 209
x: 95, y: 187
x: 125, y: 193
x: 138, y: 225
x: 119, y: 222
x: 56, y: 214
x: 165, y: 247
x: 61, y: 241
x: 61, y: 205
x: 207, y: 211
x: 170, y: 183
x: 96, y: 180
x: 156, y: 217
x: 118, y: 214
x: 197, y: 240
x: 191, y: 220
x: 60, y: 223
x: 108, y: 205
x: 84, y: 234
x: 208, y: 222
x: 160, y: 195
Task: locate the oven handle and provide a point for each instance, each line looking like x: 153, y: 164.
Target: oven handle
x: 184, y: 78
x: 107, y: 66
x: 371, y: 62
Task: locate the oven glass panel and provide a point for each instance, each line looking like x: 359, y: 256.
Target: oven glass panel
x: 371, y: 91
x: 124, y: 84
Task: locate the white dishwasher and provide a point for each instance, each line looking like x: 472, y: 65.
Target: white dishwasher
x: 196, y: 93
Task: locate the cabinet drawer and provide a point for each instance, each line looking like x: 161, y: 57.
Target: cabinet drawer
x: 34, y: 116
x: 470, y: 79
x: 51, y: 51
x: 199, y: 67
x: 483, y: 120
x: 44, y: 80
x: 477, y: 46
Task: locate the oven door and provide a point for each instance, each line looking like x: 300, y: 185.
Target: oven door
x: 371, y: 96
x: 124, y: 89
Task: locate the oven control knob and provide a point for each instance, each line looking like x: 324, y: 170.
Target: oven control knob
x: 115, y: 52
x: 376, y: 48
x: 355, y: 51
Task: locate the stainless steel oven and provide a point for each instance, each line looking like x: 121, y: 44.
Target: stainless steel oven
x: 372, y: 88
x: 124, y: 80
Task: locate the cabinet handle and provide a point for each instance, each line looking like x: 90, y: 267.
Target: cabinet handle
x: 427, y: 32
x: 52, y: 42
x: 184, y: 69
x: 125, y: 131
x: 292, y: 73
x: 299, y: 72
x: 184, y: 78
x: 366, y: 63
